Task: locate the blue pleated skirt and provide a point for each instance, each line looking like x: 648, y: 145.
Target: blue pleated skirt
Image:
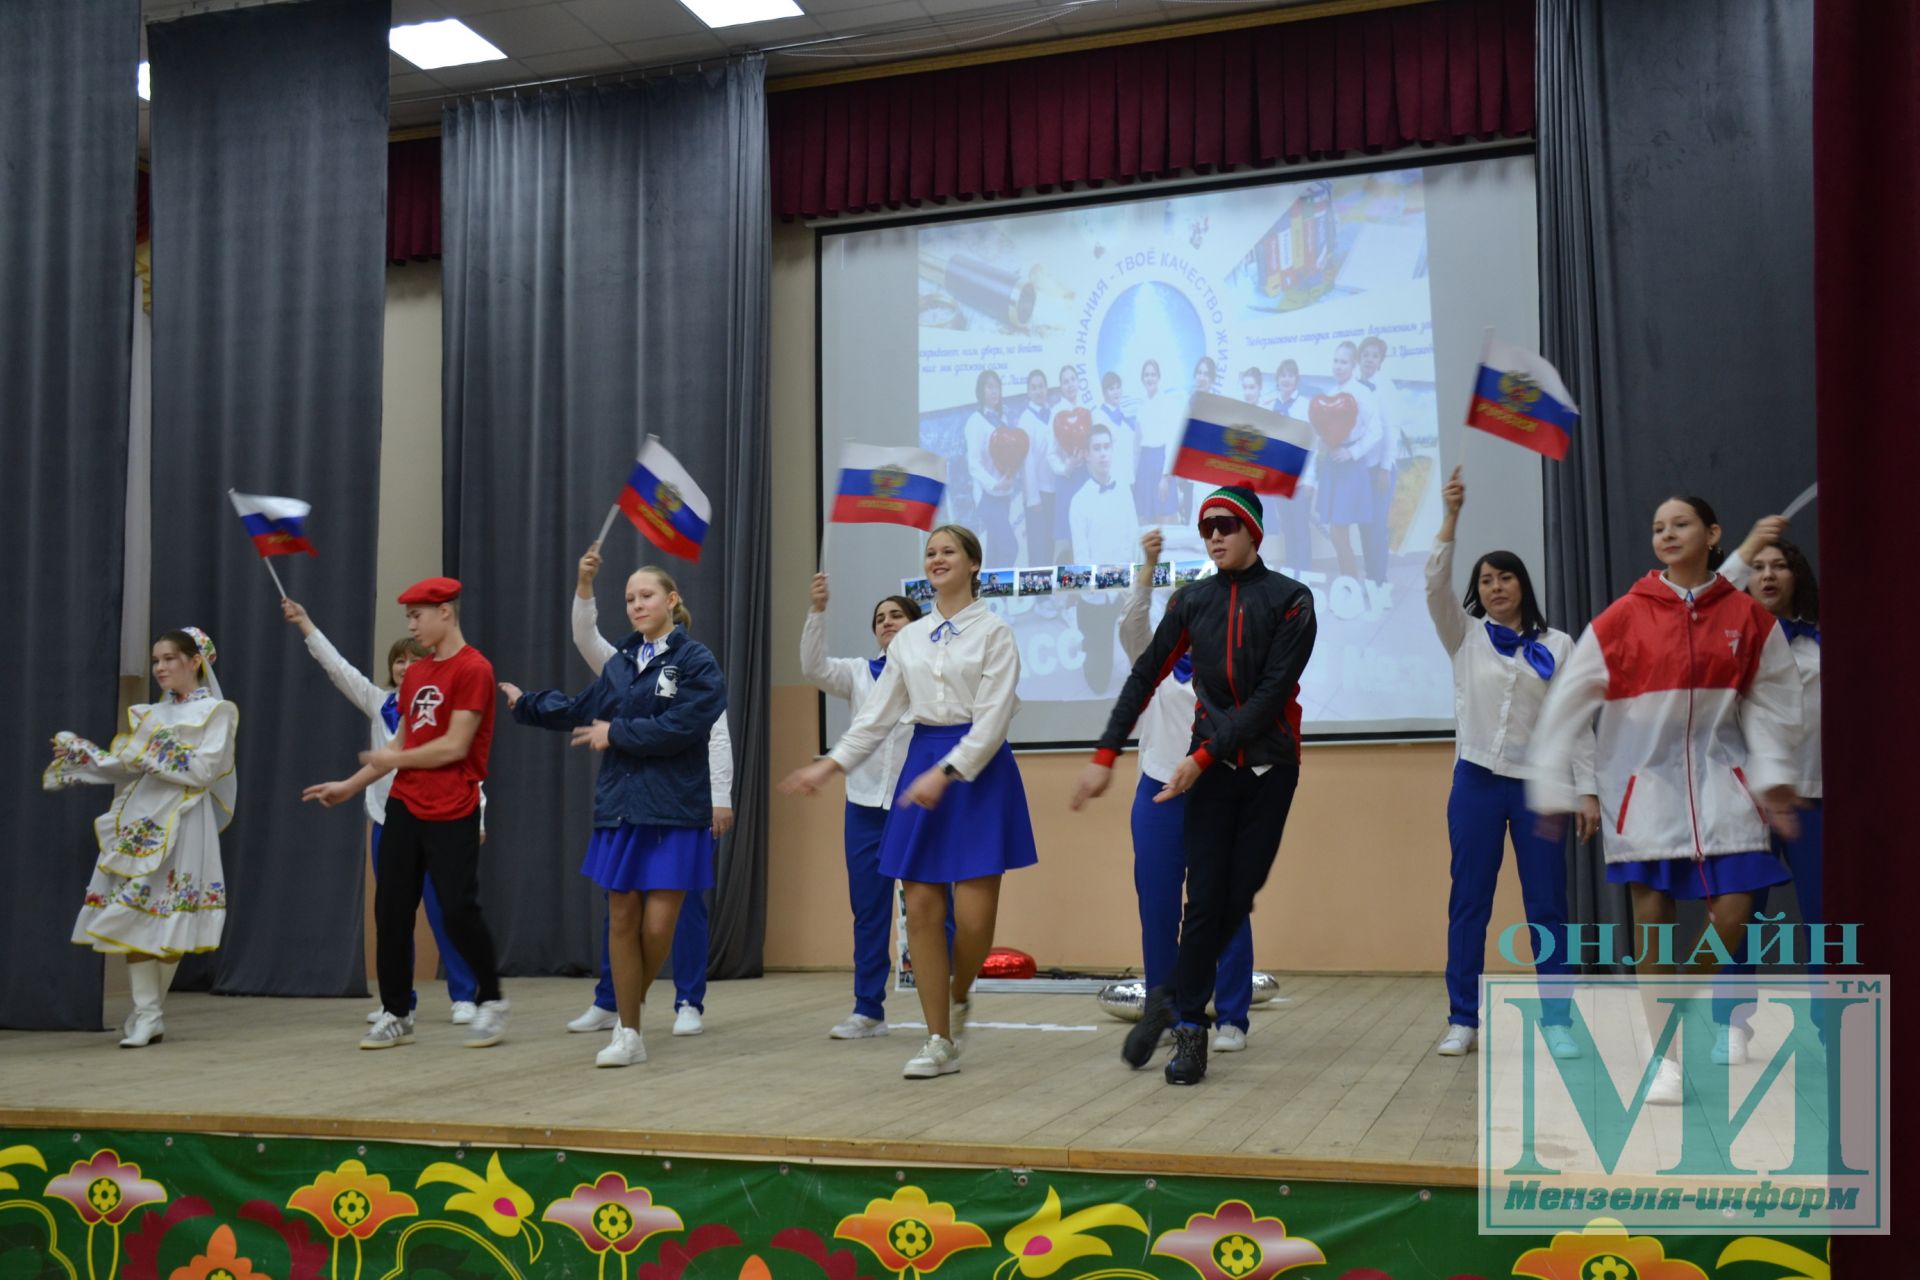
x: 633, y: 857
x: 980, y: 829
x: 1688, y: 878
x: 1346, y: 493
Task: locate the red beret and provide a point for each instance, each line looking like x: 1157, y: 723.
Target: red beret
x: 432, y: 591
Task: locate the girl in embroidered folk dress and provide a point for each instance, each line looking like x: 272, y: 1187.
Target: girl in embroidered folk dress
x: 1504, y: 656
x: 959, y: 814
x: 381, y: 707
x: 1699, y: 723
x: 158, y: 891
x: 651, y: 711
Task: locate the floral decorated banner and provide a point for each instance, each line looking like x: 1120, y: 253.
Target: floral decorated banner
x: 150, y: 1206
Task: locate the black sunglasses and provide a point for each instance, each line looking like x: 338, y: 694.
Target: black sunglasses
x: 1225, y: 526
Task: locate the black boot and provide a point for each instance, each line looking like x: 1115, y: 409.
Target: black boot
x: 1189, y: 1062
x: 1146, y: 1033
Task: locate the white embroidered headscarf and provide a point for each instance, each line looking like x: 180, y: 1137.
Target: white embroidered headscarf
x: 208, y: 655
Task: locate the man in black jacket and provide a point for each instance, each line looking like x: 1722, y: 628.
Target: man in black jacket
x: 1250, y: 631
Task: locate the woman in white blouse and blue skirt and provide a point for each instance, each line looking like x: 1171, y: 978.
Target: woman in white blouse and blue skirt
x: 959, y: 814
x: 1503, y: 654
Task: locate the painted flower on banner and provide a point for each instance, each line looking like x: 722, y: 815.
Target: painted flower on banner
x: 609, y: 1214
x: 501, y: 1204
x: 17, y: 1156
x: 221, y: 1261
x: 909, y: 1233
x: 105, y: 1190
x: 1604, y: 1251
x: 349, y: 1201
x: 1232, y: 1244
x: 676, y: 1254
x: 839, y: 1264
x: 1045, y: 1242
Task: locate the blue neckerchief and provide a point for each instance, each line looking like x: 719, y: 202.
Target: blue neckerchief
x: 390, y: 713
x: 943, y: 632
x: 1183, y: 669
x: 1795, y: 629
x: 1508, y: 642
x: 1363, y: 382
x: 877, y: 665
x: 996, y: 416
x: 1108, y: 487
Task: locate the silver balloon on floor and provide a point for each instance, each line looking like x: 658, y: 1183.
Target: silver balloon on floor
x: 1128, y: 1000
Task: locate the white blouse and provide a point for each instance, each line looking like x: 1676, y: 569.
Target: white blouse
x: 967, y: 676
x: 1806, y: 656
x: 1496, y: 699
x: 1166, y: 724
x: 871, y: 784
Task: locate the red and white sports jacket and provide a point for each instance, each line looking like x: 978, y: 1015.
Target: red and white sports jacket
x: 1699, y: 713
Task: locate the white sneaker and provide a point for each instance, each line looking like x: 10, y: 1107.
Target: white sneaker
x: 1458, y: 1042
x: 1666, y: 1090
x: 1730, y: 1046
x: 1560, y: 1042
x: 595, y: 1019
x: 1227, y: 1039
x: 388, y: 1031
x: 937, y: 1057
x: 687, y: 1021
x: 957, y: 1023
x: 489, y: 1025
x: 373, y: 1014
x: 859, y: 1027
x: 464, y: 1012
x: 626, y: 1049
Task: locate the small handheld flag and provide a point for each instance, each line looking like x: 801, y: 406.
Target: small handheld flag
x: 1231, y: 442
x: 1519, y: 397
x: 888, y: 486
x: 278, y: 526
x: 664, y: 503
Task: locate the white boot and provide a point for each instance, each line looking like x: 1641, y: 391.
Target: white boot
x: 144, y: 1027
x: 166, y: 968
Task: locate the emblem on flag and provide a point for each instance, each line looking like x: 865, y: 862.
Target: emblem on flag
x: 1519, y: 397
x: 664, y: 503
x: 889, y: 486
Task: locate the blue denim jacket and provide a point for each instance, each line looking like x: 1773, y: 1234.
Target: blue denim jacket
x: 658, y: 718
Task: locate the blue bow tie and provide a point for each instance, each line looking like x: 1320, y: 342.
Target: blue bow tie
x: 1183, y: 669
x: 1796, y: 629
x: 944, y: 632
x: 877, y: 665
x: 390, y: 713
x: 1508, y: 642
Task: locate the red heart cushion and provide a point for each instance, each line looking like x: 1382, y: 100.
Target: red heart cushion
x: 1008, y: 446
x: 1070, y: 428
x: 1333, y: 417
x: 1006, y: 962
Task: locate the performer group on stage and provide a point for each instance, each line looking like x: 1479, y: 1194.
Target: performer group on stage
x: 1682, y: 728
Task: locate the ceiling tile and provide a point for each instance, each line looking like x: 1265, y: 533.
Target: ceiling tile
x: 578, y: 62
x: 616, y: 21
x: 411, y: 83
x: 827, y: 8
x: 461, y: 8
x: 945, y: 8
x: 483, y: 75
x: 656, y: 53
x: 873, y: 17
x: 408, y: 11
x: 546, y: 28
x: 755, y: 35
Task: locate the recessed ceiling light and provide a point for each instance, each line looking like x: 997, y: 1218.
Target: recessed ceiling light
x: 733, y: 13
x: 446, y: 43
x: 143, y: 82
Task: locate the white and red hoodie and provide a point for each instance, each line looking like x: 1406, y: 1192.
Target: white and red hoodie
x: 1699, y: 714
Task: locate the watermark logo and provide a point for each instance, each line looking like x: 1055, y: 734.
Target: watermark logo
x: 1684, y: 1106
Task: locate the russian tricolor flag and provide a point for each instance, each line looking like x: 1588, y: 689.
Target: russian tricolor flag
x: 278, y: 526
x: 1233, y: 442
x: 665, y: 504
x: 1519, y: 397
x: 888, y: 486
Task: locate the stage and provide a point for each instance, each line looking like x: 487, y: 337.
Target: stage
x: 1339, y: 1081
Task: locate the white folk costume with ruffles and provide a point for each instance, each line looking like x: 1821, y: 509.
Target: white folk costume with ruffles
x: 158, y: 887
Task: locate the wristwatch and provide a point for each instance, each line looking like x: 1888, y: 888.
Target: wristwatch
x: 949, y: 770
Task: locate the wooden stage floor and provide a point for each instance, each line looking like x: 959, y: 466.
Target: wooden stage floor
x: 1339, y: 1080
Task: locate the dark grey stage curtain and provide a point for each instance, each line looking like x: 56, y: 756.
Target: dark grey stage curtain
x: 68, y: 131
x: 269, y: 256
x: 1676, y: 286
x: 605, y: 268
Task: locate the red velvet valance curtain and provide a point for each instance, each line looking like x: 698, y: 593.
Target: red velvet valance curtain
x: 413, y: 200
x: 1437, y: 72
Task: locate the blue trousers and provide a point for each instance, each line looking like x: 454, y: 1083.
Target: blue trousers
x: 688, y: 957
x: 870, y: 895
x: 1806, y: 860
x: 461, y: 986
x: 1159, y: 879
x: 1483, y: 809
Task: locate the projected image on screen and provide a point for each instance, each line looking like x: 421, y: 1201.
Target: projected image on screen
x: 1057, y: 356
x: 1049, y: 358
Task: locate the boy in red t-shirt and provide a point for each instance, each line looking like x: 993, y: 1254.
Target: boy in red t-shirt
x: 433, y: 814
